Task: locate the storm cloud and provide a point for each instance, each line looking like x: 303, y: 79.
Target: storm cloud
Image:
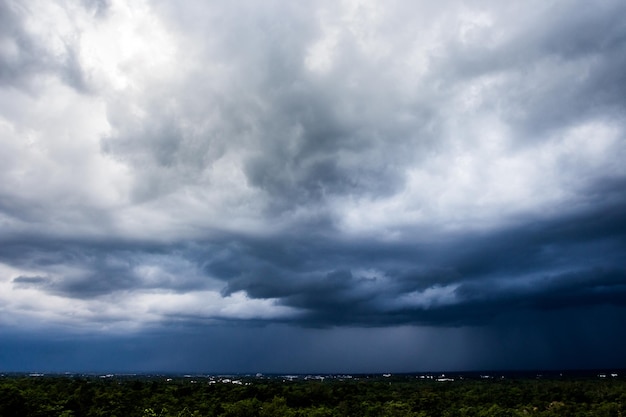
x: 440, y: 173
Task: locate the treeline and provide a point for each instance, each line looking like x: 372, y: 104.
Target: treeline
x: 126, y: 397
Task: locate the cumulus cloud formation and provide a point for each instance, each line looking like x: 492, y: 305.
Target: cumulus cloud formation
x: 351, y: 164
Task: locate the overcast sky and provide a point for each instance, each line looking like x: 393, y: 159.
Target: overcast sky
x: 314, y: 186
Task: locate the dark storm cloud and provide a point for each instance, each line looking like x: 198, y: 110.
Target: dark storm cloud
x: 559, y: 263
x: 473, y: 278
x: 90, y: 269
x: 28, y: 281
x: 562, y: 339
x: 323, y: 146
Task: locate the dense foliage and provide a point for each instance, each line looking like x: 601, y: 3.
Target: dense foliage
x: 84, y: 396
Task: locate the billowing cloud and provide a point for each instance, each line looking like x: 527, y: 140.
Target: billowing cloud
x: 315, y: 166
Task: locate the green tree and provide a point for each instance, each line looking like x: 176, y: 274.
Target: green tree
x: 249, y: 407
x: 12, y: 402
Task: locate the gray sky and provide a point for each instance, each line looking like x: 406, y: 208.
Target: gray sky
x: 312, y: 186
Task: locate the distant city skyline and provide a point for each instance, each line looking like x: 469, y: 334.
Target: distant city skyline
x: 312, y: 187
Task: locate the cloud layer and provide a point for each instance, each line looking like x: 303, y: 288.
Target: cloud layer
x: 315, y: 165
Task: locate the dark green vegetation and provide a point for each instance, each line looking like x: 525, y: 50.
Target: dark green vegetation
x: 397, y: 396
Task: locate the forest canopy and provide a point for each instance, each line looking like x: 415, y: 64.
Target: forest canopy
x: 162, y: 396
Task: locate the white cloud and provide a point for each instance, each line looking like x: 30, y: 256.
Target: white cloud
x: 435, y: 296
x: 27, y: 305
x: 161, y: 123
